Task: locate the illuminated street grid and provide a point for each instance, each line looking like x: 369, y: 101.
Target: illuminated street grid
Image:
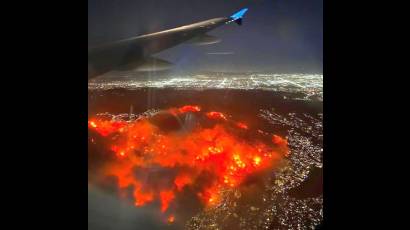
x: 309, y: 84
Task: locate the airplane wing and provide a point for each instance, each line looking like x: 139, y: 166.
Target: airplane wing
x: 135, y: 52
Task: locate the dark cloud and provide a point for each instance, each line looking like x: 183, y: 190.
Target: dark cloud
x: 107, y: 212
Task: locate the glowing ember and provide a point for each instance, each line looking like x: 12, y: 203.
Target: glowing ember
x: 166, y: 198
x: 216, y: 116
x: 142, y: 198
x: 182, y: 180
x: 204, y: 159
x: 171, y: 219
x: 279, y: 140
x: 105, y: 128
x: 189, y: 108
x: 257, y: 160
x: 92, y: 123
x: 242, y: 125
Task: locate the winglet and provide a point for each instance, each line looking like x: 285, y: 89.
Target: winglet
x: 237, y: 17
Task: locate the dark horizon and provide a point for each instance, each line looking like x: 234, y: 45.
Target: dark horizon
x: 276, y: 36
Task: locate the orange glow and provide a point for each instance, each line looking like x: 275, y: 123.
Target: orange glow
x: 92, y: 123
x: 257, y: 160
x: 142, y: 198
x: 105, y: 128
x: 279, y: 140
x: 189, y: 108
x: 182, y: 180
x: 166, y: 198
x: 210, y: 196
x: 216, y: 116
x: 171, y: 219
x: 216, y: 151
x: 242, y: 125
x: 213, y: 199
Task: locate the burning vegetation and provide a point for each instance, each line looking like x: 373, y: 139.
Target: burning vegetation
x: 155, y: 160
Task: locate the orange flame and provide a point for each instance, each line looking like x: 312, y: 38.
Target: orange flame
x: 105, y: 128
x: 166, y: 198
x: 182, y: 180
x: 242, y: 125
x: 142, y: 198
x: 215, y: 150
x: 171, y: 219
x: 189, y: 108
x: 216, y: 116
x: 279, y: 140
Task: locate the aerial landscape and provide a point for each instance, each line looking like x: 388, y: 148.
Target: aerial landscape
x: 218, y: 135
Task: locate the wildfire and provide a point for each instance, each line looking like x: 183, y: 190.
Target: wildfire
x: 92, y: 124
x: 216, y: 116
x: 166, y: 198
x: 257, y: 160
x: 279, y: 140
x: 242, y: 125
x: 142, y: 198
x: 189, y: 108
x: 105, y: 128
x: 182, y: 180
x: 215, y: 151
x: 171, y: 219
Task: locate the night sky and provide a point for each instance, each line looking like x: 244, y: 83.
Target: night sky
x: 282, y: 36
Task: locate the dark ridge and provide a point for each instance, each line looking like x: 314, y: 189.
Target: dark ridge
x: 311, y: 187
